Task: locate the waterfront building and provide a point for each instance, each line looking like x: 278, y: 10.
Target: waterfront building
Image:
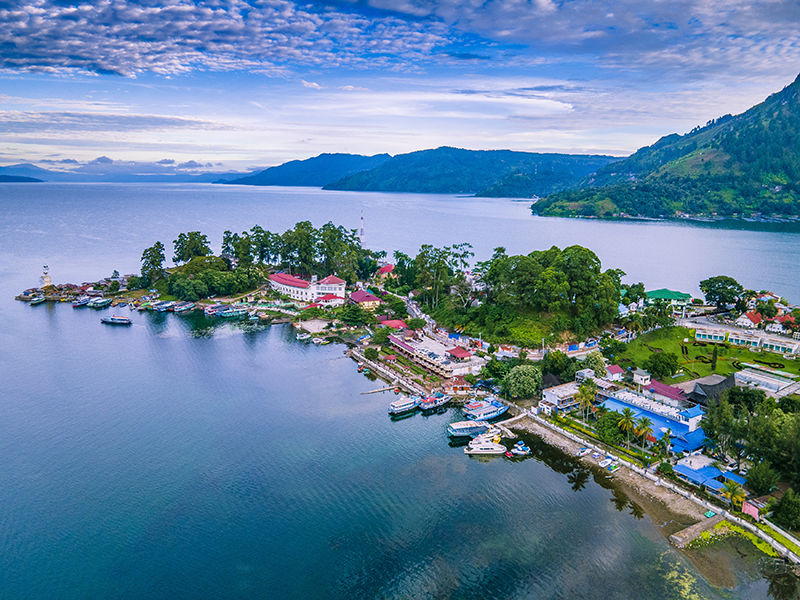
x: 456, y: 386
x: 675, y: 299
x: 306, y: 291
x: 559, y: 399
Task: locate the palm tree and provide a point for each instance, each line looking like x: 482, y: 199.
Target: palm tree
x: 734, y: 492
x: 627, y: 423
x: 644, y: 427
x: 586, y: 396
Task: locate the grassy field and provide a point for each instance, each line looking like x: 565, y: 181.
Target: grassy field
x: 671, y: 339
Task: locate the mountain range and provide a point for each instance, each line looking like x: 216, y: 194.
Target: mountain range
x: 313, y: 172
x: 734, y: 165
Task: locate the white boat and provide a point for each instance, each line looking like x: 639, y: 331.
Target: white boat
x: 466, y: 428
x: 520, y: 449
x: 491, y: 434
x: 403, y: 405
x: 303, y: 336
x: 489, y: 410
x: 605, y: 462
x: 583, y: 452
x: 485, y: 448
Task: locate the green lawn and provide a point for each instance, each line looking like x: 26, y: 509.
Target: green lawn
x: 670, y: 339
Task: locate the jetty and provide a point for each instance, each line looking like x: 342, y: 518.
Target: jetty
x: 683, y: 538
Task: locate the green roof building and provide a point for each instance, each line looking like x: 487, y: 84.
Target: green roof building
x: 674, y: 298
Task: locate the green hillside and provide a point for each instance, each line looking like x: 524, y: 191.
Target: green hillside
x: 456, y: 171
x: 734, y: 165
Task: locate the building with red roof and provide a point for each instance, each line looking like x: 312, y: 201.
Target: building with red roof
x: 386, y: 271
x: 304, y: 290
x: 365, y: 300
x: 395, y: 324
x: 615, y: 372
x: 331, y: 300
x: 749, y: 320
x: 459, y: 353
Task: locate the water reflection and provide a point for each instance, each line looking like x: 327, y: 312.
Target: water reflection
x: 783, y: 582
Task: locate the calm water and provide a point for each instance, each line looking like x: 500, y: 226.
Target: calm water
x: 178, y: 459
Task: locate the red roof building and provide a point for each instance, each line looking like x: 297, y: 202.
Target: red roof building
x: 662, y: 389
x: 307, y: 291
x: 331, y: 280
x: 460, y: 353
x: 364, y: 299
x: 395, y: 324
x: 289, y: 280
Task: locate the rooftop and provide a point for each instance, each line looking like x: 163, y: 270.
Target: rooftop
x: 290, y: 280
x: 665, y: 294
x: 362, y: 296
x: 331, y: 280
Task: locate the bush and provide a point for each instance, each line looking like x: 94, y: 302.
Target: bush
x: 371, y: 353
x: 787, y: 511
x: 762, y: 478
x: 665, y: 468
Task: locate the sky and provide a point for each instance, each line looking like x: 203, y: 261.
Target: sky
x: 240, y: 85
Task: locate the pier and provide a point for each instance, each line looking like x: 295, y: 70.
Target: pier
x: 683, y: 538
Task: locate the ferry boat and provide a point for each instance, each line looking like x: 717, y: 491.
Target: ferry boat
x: 485, y: 448
x: 404, y: 405
x: 466, y: 428
x: 164, y: 306
x: 99, y: 302
x: 82, y: 301
x: 434, y: 401
x: 183, y: 307
x: 212, y: 310
x: 37, y: 300
x: 489, y: 410
x: 116, y: 320
x: 231, y: 313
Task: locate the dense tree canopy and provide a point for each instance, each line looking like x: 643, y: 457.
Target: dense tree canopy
x: 721, y: 290
x: 523, y: 381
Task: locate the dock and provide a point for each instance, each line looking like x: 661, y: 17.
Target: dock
x: 683, y: 538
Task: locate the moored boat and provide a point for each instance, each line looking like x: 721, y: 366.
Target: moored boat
x: 116, y: 320
x: 434, y: 401
x: 212, y: 310
x: 605, y: 462
x: 232, y: 313
x: 613, y: 467
x: 466, y: 428
x: 583, y: 452
x: 485, y: 448
x: 489, y: 410
x: 164, y: 306
x: 183, y: 307
x: 38, y: 300
x: 82, y: 301
x: 520, y: 449
x: 99, y: 302
x: 303, y: 336
x: 403, y: 405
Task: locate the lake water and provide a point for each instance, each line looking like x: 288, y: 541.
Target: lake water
x: 178, y: 458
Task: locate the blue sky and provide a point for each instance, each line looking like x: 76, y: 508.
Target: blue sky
x: 240, y: 85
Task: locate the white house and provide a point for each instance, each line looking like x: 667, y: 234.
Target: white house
x: 614, y: 373
x: 307, y: 291
x: 641, y: 377
x: 748, y: 320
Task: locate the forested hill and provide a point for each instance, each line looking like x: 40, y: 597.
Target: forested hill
x: 485, y: 172
x: 19, y: 179
x: 313, y: 172
x: 734, y: 165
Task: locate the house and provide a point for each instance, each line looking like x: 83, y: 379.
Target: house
x: 614, y: 373
x: 306, y: 291
x: 691, y: 417
x: 386, y: 272
x: 666, y: 393
x: 779, y: 324
x: 748, y: 320
x: 641, y: 377
x: 559, y: 399
x: 457, y: 386
x: 365, y: 300
x: 707, y: 390
x: 675, y: 299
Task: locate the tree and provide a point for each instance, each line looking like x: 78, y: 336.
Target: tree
x: 353, y: 314
x: 587, y: 392
x: 594, y: 360
x: 644, y: 427
x: 714, y: 357
x: 762, y: 478
x: 768, y: 310
x: 560, y: 365
x: 787, y: 511
x: 721, y: 290
x: 523, y: 381
x: 734, y: 493
x: 371, y: 354
x: 718, y: 425
x: 607, y: 428
x: 381, y: 336
x: 153, y: 262
x: 416, y: 323
x: 627, y: 423
x: 189, y: 245
x: 113, y: 287
x: 662, y: 364
x: 744, y: 397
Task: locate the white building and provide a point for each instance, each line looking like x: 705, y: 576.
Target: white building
x: 306, y: 291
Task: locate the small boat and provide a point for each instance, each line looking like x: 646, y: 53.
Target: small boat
x: 520, y: 449
x: 116, y: 320
x: 596, y: 455
x: 303, y: 336
x: 132, y: 306
x: 485, y: 448
x: 466, y: 428
x: 82, y: 301
x: 121, y: 304
x: 212, y: 310
x: 404, y: 405
x: 583, y: 452
x: 37, y: 300
x: 317, y: 341
x: 605, y: 462
x: 183, y: 307
x: 613, y: 467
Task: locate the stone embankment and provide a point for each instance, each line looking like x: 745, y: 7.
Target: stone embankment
x: 390, y: 376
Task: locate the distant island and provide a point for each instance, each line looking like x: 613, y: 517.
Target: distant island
x: 19, y: 179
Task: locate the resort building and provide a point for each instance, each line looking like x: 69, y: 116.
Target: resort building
x: 641, y: 377
x: 559, y: 399
x: 744, y: 339
x: 365, y: 300
x: 675, y: 299
x: 763, y: 380
x: 331, y: 301
x: 306, y: 291
x: 710, y: 335
x: 780, y: 345
x: 456, y: 386
x: 386, y: 272
x: 707, y: 390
